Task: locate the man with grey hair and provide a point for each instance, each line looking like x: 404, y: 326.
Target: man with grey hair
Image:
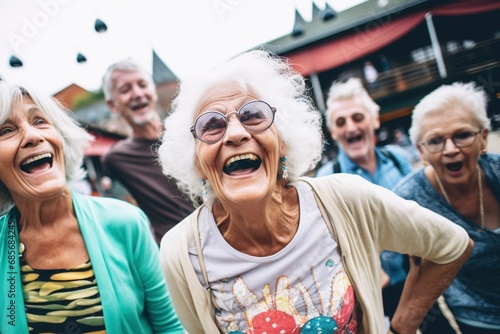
x: 352, y: 118
x: 130, y: 92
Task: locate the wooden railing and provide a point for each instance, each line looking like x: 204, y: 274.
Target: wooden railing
x: 482, y: 56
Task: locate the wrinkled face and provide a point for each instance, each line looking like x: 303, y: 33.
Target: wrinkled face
x: 134, y: 98
x: 353, y: 127
x: 242, y: 167
x: 453, y: 165
x: 32, y: 164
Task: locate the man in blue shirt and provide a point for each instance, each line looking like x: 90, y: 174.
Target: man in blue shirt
x: 352, y: 118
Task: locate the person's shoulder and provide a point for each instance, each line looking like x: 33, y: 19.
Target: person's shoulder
x: 4, y: 218
x: 111, y: 211
x: 184, y: 226
x: 403, y: 157
x: 350, y: 191
x: 397, y: 151
x: 408, y: 186
x: 120, y: 146
x: 181, y: 232
x: 492, y: 157
x: 326, y: 169
x: 490, y: 163
x: 116, y: 150
x: 342, y: 184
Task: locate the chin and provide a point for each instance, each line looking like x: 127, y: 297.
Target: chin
x: 356, y: 154
x: 246, y: 194
x: 144, y: 119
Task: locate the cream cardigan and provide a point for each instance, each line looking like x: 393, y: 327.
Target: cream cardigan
x: 366, y: 219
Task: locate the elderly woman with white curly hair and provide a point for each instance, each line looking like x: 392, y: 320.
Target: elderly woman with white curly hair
x: 272, y: 251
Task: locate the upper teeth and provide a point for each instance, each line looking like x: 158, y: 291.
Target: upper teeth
x: 242, y: 157
x: 35, y: 158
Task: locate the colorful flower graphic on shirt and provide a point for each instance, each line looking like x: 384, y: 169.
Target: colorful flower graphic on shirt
x: 277, y: 314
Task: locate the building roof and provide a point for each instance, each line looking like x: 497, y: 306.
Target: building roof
x: 326, y: 22
x: 68, y: 95
x: 161, y: 72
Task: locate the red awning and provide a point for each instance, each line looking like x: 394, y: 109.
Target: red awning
x: 100, y: 146
x: 374, y: 36
x: 348, y: 48
x: 466, y: 7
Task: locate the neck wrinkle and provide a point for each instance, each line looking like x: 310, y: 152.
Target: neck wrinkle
x: 266, y: 233
x: 38, y: 215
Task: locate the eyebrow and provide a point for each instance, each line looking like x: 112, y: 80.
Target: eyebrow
x: 8, y: 120
x: 33, y: 110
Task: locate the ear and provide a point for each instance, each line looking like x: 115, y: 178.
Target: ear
x: 111, y: 105
x: 333, y: 133
x: 484, y: 135
x: 282, y: 148
x: 420, y: 150
x: 198, y: 169
x: 376, y: 122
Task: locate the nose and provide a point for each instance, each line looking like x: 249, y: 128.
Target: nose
x: 350, y: 125
x: 31, y: 136
x: 137, y: 91
x: 449, y: 146
x: 235, y: 132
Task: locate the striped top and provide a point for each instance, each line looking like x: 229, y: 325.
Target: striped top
x: 62, y: 300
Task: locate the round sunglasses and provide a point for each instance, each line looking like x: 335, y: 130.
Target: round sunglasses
x: 255, y: 116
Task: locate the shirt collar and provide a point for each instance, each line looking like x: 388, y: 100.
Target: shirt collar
x: 346, y: 162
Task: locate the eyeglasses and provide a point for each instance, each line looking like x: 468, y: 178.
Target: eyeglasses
x: 460, y: 139
x: 255, y: 116
x: 356, y: 118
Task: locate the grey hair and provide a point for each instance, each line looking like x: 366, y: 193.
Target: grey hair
x: 75, y: 138
x: 352, y: 88
x: 125, y: 65
x: 444, y: 99
x: 271, y: 79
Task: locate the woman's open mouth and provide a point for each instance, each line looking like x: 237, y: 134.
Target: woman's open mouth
x: 37, y: 163
x: 455, y: 166
x: 242, y: 164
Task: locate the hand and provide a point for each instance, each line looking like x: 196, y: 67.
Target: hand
x: 384, y: 278
x: 414, y: 270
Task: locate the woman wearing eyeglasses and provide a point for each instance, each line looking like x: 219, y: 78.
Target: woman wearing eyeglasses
x: 461, y: 182
x: 270, y: 251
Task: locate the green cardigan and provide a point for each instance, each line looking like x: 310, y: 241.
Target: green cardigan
x: 124, y: 257
x: 365, y: 218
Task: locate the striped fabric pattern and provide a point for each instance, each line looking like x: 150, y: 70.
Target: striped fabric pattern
x: 62, y: 300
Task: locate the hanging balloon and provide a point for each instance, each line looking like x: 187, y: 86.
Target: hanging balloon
x: 15, y: 62
x: 80, y: 58
x: 100, y: 26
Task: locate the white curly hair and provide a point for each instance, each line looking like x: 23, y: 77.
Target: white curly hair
x: 273, y: 80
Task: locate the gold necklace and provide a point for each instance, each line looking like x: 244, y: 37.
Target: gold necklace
x: 481, y: 206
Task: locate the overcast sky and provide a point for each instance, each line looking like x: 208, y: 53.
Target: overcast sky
x: 188, y: 35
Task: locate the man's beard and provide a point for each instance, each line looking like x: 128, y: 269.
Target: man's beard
x: 143, y: 120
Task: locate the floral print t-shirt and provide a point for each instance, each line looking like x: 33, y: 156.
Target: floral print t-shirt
x: 301, y: 289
